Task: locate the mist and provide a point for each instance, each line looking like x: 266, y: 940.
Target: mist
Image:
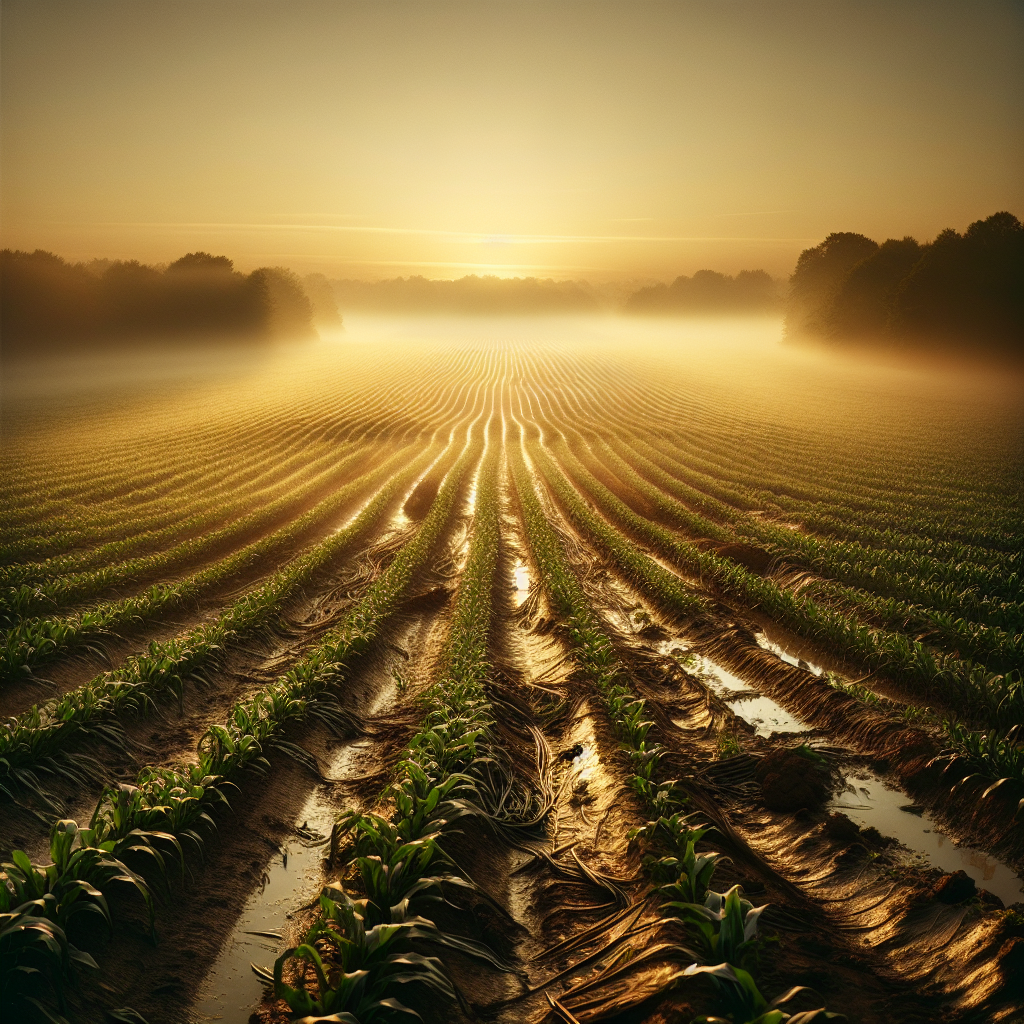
x: 534, y: 484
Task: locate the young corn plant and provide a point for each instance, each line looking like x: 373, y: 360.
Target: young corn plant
x: 38, y: 905
x: 746, y: 1005
x: 37, y: 962
x: 148, y: 822
x: 723, y: 927
x: 399, y: 862
x: 357, y: 967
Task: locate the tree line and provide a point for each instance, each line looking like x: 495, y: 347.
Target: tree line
x: 50, y: 304
x: 750, y: 291
x: 958, y: 294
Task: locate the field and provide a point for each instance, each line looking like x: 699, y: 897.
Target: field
x: 592, y: 671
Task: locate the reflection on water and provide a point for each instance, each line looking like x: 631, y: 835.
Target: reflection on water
x: 764, y: 714
x: 521, y: 581
x: 231, y: 989
x: 870, y: 802
x: 790, y: 659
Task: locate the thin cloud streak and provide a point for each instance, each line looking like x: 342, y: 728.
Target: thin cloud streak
x: 475, y: 236
x: 454, y: 265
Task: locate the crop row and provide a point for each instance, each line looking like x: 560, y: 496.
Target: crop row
x: 199, y: 516
x: 725, y: 503
x: 36, y: 641
x: 612, y: 410
x: 872, y: 480
x: 195, y: 479
x: 63, y: 591
x: 980, y: 693
x: 169, y: 807
x: 722, y: 927
x: 42, y: 738
x: 957, y: 584
x: 994, y: 644
x: 648, y: 575
x: 360, y: 949
x: 981, y: 528
x: 275, y: 421
x: 996, y: 700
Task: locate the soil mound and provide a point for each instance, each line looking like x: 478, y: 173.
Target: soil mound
x: 418, y: 503
x: 756, y: 559
x: 793, y: 779
x: 954, y: 888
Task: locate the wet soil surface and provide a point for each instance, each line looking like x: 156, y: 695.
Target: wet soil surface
x: 821, y: 810
x: 262, y: 865
x: 885, y: 920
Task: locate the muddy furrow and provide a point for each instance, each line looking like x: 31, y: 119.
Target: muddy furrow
x: 428, y: 578
x: 981, y: 990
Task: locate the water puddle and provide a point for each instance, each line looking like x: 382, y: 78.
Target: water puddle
x: 870, y: 802
x: 790, y: 659
x: 231, y: 989
x: 520, y: 581
x: 764, y: 714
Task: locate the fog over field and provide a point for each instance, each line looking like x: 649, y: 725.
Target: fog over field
x: 511, y: 512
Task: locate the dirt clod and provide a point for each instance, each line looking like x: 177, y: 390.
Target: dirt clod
x: 791, y: 781
x: 840, y: 828
x: 954, y: 888
x: 747, y: 555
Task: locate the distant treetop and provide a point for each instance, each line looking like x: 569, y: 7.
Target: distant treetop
x: 202, y: 261
x: 750, y: 291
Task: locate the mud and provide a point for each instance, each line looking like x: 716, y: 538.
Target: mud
x: 828, y: 811
x: 942, y: 949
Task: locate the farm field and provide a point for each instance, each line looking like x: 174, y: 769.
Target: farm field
x: 589, y: 669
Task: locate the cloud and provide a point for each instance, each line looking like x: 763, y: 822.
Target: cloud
x: 466, y: 236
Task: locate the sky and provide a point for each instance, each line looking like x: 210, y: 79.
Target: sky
x: 595, y: 140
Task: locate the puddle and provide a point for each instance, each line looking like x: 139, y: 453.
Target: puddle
x: 766, y: 716
x: 520, y: 581
x: 231, y: 990
x: 763, y: 713
x: 868, y: 801
x: 790, y: 659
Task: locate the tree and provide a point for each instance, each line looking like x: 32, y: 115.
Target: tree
x: 862, y: 306
x: 967, y: 289
x: 321, y: 295
x: 285, y: 310
x: 817, y: 279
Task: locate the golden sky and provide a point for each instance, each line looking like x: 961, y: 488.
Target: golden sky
x: 588, y: 140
